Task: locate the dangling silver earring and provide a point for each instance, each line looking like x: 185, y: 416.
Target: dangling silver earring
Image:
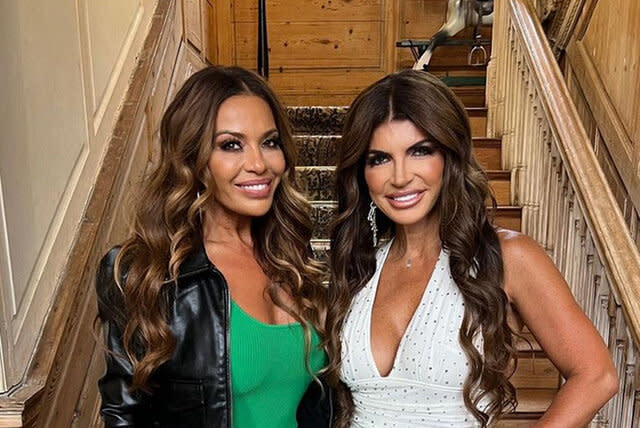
x: 372, y: 222
x: 199, y: 209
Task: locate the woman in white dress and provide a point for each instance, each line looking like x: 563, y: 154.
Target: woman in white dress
x: 427, y: 295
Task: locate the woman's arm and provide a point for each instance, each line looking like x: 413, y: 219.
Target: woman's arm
x: 544, y: 302
x: 119, y: 405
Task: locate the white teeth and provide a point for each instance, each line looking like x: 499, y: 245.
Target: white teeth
x: 255, y: 187
x: 405, y: 198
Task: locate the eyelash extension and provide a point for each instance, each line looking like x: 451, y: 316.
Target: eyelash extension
x: 277, y: 140
x: 226, y: 144
x: 375, y: 160
x: 426, y: 149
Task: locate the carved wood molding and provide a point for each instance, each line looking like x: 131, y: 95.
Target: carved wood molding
x: 544, y: 8
x: 605, y: 221
x: 563, y: 24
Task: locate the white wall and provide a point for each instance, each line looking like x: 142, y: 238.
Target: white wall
x: 64, y: 70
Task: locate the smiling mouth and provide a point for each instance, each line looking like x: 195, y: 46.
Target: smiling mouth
x: 406, y: 200
x: 256, y: 188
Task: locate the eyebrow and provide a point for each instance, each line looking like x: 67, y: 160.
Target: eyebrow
x: 414, y: 145
x: 240, y: 135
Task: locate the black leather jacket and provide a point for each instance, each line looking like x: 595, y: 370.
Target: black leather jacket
x: 193, y: 389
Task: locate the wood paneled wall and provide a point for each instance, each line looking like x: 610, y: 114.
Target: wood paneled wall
x: 602, y: 69
x: 321, y: 51
x: 59, y: 389
x: 418, y: 19
x: 65, y: 70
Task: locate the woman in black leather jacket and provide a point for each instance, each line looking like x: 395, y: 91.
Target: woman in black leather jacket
x: 213, y: 309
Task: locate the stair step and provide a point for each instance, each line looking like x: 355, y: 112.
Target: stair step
x: 536, y: 373
x: 500, y: 183
x: 322, y: 214
x: 441, y: 67
x: 318, y: 183
x: 320, y: 249
x: 478, y: 126
x: 471, y: 96
x: 319, y: 120
x: 477, y: 111
x: 509, y: 217
x: 488, y: 152
x: 455, y: 81
x: 533, y: 401
x: 318, y: 150
x: 328, y: 120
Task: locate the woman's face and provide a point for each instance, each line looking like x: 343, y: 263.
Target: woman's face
x: 247, y: 161
x: 403, y: 171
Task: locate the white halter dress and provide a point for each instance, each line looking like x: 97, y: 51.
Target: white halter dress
x: 424, y: 386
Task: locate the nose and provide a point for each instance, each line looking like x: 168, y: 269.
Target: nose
x: 255, y: 161
x: 401, y: 177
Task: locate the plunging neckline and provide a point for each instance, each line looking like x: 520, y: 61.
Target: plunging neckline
x: 374, y: 292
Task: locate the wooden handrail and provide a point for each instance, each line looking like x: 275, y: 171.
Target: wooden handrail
x: 604, y: 219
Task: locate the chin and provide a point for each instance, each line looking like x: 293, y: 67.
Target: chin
x: 407, y: 220
x: 411, y: 216
x: 257, y: 210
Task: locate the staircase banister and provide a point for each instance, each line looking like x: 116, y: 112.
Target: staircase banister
x: 605, y: 220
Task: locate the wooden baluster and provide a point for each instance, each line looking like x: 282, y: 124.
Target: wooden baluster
x: 536, y: 181
x: 601, y: 316
x: 516, y: 143
x: 619, y: 359
x: 582, y: 281
x: 548, y: 177
x: 529, y: 141
x: 590, y: 304
x: 560, y: 220
x: 523, y: 158
x: 510, y: 78
x: 520, y: 135
x: 567, y: 203
x: 628, y: 383
x: 636, y: 402
x: 515, y: 80
x: 571, y: 247
x: 496, y: 71
x: 602, y: 321
x: 554, y: 209
x: 510, y: 114
x: 581, y: 272
x: 538, y: 166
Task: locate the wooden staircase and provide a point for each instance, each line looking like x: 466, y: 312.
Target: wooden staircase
x: 317, y: 134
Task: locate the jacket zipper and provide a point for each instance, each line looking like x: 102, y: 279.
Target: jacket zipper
x: 227, y: 340
x: 228, y: 345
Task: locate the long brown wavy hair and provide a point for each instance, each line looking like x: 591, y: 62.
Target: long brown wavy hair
x: 466, y: 232
x: 167, y: 228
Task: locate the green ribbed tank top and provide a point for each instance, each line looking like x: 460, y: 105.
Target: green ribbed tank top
x: 268, y: 374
